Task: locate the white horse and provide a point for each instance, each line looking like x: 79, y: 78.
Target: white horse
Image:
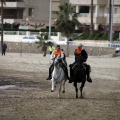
x: 58, y: 77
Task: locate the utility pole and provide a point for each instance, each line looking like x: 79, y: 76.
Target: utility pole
x: 50, y: 18
x: 111, y: 25
x: 1, y: 24
x: 91, y: 26
x: 109, y: 17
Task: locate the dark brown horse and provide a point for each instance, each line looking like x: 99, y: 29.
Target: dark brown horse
x: 78, y: 75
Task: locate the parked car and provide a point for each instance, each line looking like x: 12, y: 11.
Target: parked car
x: 63, y: 41
x: 52, y: 41
x: 31, y: 39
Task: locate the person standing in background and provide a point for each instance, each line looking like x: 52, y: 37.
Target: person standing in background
x: 51, y: 49
x: 4, y: 47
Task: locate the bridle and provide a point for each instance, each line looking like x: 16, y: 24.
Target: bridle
x: 60, y: 71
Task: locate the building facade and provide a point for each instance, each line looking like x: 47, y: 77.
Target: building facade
x: 31, y: 14
x: 34, y: 14
x: 100, y: 12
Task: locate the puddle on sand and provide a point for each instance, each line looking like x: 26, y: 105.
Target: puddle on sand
x: 6, y: 87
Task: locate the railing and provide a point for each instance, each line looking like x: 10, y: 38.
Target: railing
x: 14, y: 4
x: 12, y: 20
x: 114, y: 15
x: 14, y: 0
x: 95, y: 15
x: 88, y: 15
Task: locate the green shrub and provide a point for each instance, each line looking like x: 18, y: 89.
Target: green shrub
x: 84, y: 36
x: 91, y: 37
x: 96, y: 36
x: 104, y: 36
x: 115, y: 36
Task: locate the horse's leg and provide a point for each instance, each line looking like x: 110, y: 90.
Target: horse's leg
x: 81, y: 89
x: 76, y: 89
x: 59, y: 90
x: 63, y: 86
x: 53, y: 85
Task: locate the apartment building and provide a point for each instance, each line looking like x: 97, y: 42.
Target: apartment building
x: 31, y: 14
x: 100, y: 12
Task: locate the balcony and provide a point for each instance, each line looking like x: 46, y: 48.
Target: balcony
x: 11, y: 21
x: 116, y: 19
x: 116, y: 2
x: 14, y: 5
x: 85, y: 18
x: 88, y: 2
x: 88, y: 15
x: 101, y: 19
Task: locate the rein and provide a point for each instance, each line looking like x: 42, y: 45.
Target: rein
x: 59, y: 75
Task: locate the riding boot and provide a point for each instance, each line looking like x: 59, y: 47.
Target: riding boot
x: 89, y: 78
x: 70, y: 80
x: 66, y: 73
x: 50, y: 72
x: 88, y: 70
x: 71, y: 72
x: 49, y: 77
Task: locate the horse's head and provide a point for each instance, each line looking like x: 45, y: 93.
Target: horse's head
x: 57, y: 62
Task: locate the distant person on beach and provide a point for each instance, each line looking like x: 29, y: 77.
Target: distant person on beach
x: 4, y: 47
x: 51, y: 49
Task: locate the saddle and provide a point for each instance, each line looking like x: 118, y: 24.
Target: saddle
x: 64, y: 67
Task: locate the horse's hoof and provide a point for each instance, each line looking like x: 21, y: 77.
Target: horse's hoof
x: 81, y: 97
x: 52, y: 90
x: 76, y: 96
x: 63, y: 91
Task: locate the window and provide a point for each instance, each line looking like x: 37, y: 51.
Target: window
x: 116, y: 10
x: 31, y: 12
x: 54, y: 33
x: 84, y: 9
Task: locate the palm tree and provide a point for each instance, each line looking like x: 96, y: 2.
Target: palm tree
x: 91, y: 26
x: 66, y: 21
x: 43, y: 43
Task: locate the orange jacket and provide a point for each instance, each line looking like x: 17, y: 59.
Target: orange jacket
x: 78, y: 51
x: 57, y: 52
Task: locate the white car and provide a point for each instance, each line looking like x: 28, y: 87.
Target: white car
x: 31, y: 39
x: 52, y: 41
x: 64, y: 42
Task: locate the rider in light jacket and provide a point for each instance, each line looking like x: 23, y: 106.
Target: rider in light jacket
x: 57, y: 53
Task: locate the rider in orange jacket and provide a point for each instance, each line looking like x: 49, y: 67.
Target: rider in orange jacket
x: 80, y: 51
x: 57, y: 52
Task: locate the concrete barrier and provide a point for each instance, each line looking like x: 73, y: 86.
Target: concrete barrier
x: 19, y: 47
